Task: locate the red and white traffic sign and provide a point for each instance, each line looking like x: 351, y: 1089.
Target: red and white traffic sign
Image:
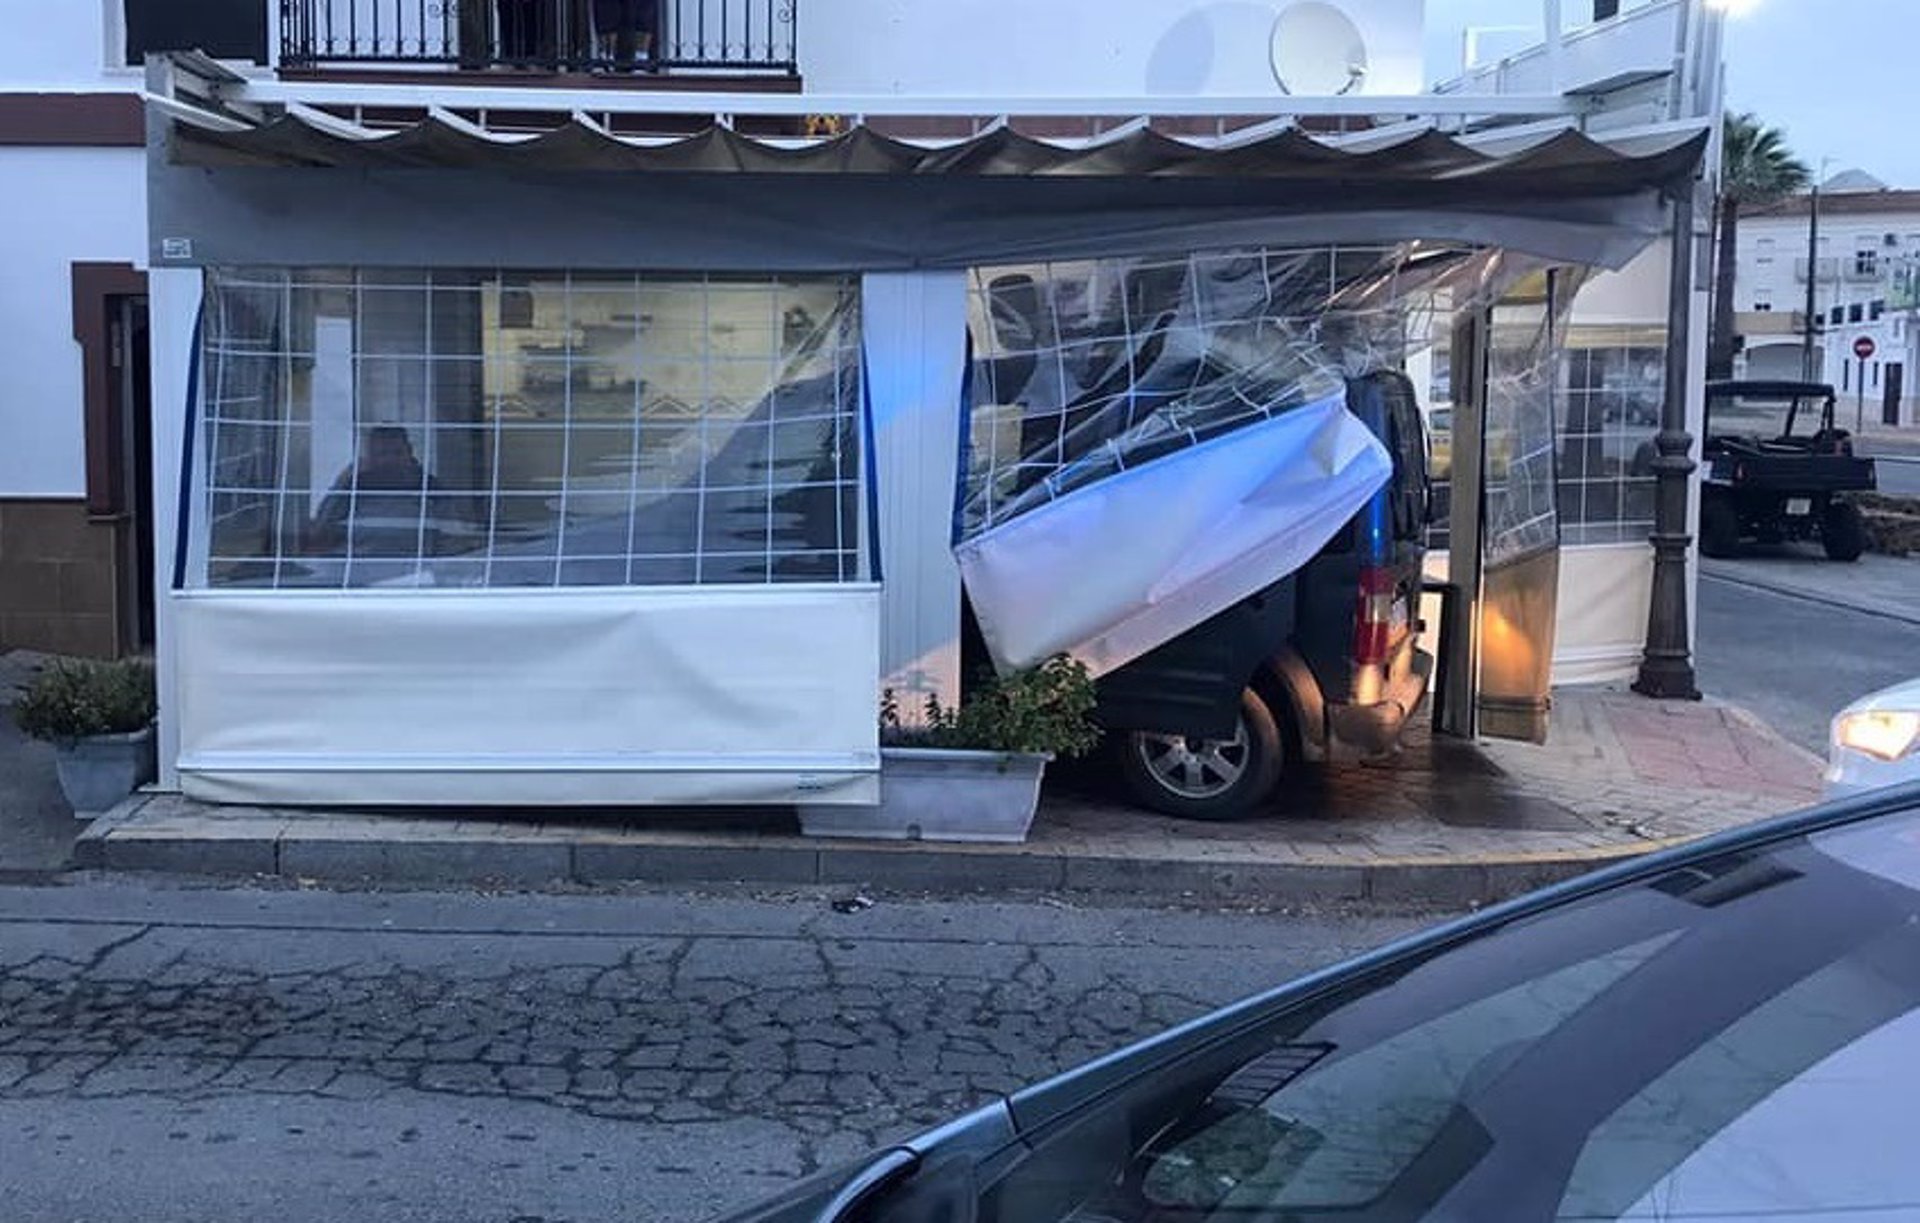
x: 1863, y: 347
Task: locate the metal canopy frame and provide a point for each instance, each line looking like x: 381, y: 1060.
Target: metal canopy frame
x: 194, y: 89
x: 938, y: 181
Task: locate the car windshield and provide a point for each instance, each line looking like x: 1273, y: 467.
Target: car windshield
x: 1763, y: 416
x: 1739, y: 1039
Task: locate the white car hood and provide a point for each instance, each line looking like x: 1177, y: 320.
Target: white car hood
x: 1905, y: 695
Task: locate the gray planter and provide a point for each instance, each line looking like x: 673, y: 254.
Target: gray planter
x: 931, y: 794
x: 100, y: 770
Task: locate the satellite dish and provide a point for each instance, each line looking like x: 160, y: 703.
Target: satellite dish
x: 1317, y: 50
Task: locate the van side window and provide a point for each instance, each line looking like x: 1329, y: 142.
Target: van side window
x: 1410, y: 464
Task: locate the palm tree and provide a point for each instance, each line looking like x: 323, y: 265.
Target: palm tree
x: 1756, y: 168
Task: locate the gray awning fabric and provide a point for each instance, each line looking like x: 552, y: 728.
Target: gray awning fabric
x: 308, y: 188
x: 1559, y: 163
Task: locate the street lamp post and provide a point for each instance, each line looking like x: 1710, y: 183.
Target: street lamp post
x: 1809, y: 368
x: 1666, y: 666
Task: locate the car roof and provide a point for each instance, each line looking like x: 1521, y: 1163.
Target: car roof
x: 1043, y: 1102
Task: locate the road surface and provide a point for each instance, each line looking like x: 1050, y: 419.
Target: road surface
x: 1795, y: 662
x: 1898, y: 476
x: 175, y: 1055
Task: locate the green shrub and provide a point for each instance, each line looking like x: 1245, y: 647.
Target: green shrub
x: 71, y: 700
x: 1048, y: 708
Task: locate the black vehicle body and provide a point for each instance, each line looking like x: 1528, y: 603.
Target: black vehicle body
x: 1279, y: 671
x: 1682, y: 991
x: 1768, y: 486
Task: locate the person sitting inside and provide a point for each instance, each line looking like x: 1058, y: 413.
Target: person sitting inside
x: 380, y: 499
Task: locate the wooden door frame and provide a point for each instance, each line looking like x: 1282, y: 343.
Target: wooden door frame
x: 95, y: 288
x: 100, y: 291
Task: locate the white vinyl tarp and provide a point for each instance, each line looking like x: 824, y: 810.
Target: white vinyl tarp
x: 510, y: 697
x: 1114, y: 568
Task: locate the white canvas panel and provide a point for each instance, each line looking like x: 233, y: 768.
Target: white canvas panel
x: 544, y: 697
x: 1601, y: 622
x: 914, y: 331
x: 254, y: 784
x: 1111, y: 570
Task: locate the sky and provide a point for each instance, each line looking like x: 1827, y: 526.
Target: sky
x: 1840, y: 77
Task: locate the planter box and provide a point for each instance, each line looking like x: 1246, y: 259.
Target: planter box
x: 929, y: 794
x: 100, y: 770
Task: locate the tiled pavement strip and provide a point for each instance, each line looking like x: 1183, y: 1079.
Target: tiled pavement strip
x: 1445, y: 823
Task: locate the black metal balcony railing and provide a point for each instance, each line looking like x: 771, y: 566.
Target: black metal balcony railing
x: 545, y: 35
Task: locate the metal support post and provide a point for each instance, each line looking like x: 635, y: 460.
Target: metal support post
x: 1666, y: 667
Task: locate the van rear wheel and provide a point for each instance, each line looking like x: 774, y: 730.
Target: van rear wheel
x: 1208, y: 779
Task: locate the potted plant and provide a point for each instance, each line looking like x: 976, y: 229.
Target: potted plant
x: 972, y: 772
x: 99, y: 718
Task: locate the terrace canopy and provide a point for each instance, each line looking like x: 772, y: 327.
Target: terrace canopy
x: 595, y: 343
x: 864, y: 200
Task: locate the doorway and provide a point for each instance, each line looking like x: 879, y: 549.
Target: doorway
x: 1891, y: 393
x: 116, y: 598
x: 134, y: 409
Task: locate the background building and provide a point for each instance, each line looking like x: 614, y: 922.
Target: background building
x: 1864, y: 287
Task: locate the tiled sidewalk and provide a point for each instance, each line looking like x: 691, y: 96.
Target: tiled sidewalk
x: 1446, y: 822
x: 37, y: 827
x: 1666, y: 770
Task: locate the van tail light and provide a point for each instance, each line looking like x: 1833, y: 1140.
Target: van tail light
x: 1373, y: 618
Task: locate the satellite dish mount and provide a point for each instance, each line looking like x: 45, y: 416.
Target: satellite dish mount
x: 1317, y: 50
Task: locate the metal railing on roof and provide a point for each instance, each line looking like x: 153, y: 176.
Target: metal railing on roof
x: 589, y: 36
x: 208, y: 94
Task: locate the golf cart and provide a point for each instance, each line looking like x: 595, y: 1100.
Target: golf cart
x: 1767, y: 483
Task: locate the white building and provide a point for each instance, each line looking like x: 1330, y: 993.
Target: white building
x: 75, y: 540
x: 233, y: 152
x: 1868, y: 248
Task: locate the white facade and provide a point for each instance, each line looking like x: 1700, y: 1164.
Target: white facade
x: 1082, y: 48
x: 62, y: 205
x: 1867, y: 243
x: 72, y: 225
x: 65, y: 46
x: 67, y: 205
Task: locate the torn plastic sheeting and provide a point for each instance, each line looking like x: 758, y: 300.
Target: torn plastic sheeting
x: 1087, y: 369
x: 1113, y: 569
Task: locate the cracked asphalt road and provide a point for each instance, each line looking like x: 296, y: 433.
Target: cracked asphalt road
x: 171, y: 1053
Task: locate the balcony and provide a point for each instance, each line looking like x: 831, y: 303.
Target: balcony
x: 1831, y: 268
x: 1826, y: 268
x: 613, y: 38
x: 1764, y: 323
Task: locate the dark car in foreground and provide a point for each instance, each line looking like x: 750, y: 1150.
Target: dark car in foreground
x: 1730, y: 1030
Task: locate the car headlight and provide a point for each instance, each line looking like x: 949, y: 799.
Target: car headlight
x: 1883, y: 734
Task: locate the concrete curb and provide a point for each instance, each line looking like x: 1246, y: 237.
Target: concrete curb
x: 1759, y: 725
x: 277, y: 847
